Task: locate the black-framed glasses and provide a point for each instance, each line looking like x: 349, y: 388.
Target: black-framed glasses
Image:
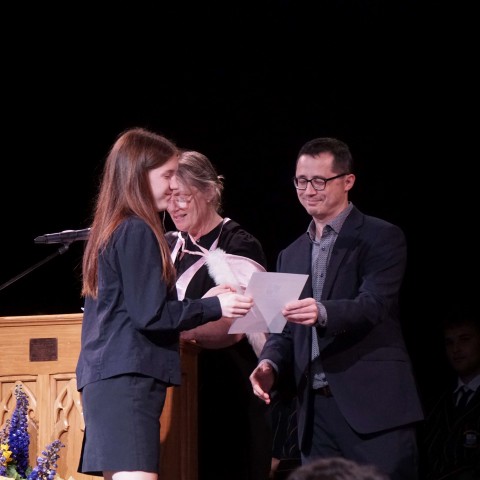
x: 318, y: 183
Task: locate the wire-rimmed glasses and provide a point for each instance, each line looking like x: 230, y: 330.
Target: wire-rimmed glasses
x: 181, y: 200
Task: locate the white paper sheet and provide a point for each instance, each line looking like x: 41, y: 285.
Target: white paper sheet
x: 270, y: 292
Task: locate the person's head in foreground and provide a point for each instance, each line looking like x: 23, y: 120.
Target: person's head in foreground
x: 336, y: 468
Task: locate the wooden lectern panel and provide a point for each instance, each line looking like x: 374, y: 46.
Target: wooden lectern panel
x: 41, y: 352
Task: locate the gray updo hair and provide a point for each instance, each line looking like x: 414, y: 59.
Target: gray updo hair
x: 196, y: 170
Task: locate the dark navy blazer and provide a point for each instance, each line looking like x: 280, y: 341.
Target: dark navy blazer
x: 134, y: 325
x: 362, y: 348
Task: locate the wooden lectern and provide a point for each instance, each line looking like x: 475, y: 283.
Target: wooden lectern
x: 40, y: 353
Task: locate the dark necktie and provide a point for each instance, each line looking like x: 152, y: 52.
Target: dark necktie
x: 464, y: 395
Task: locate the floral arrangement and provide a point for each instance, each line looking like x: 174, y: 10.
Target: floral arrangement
x: 14, y: 443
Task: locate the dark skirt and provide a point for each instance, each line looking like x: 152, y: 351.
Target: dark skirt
x: 122, y: 425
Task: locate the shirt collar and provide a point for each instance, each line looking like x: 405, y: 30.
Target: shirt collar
x: 473, y: 384
x: 335, y: 223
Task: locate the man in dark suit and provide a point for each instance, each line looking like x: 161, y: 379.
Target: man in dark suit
x: 356, y: 393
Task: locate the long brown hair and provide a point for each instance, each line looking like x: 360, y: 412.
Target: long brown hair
x: 125, y: 191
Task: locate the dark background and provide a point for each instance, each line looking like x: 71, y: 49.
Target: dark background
x: 247, y: 83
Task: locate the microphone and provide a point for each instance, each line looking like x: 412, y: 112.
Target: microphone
x: 65, y: 237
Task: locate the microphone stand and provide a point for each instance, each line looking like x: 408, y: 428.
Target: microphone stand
x: 60, y: 251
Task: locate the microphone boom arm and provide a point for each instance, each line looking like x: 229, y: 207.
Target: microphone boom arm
x: 60, y: 251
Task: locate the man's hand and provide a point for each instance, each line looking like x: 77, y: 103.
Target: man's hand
x: 304, y: 312
x: 262, y: 380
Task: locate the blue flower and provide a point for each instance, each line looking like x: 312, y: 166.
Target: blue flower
x: 47, y: 465
x: 18, y: 438
x: 15, y: 441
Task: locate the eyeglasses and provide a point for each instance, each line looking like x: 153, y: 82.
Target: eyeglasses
x: 318, y: 183
x: 181, y: 200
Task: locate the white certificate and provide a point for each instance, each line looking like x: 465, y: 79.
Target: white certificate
x: 270, y: 292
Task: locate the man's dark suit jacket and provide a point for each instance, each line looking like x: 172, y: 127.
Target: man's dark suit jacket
x: 362, y: 347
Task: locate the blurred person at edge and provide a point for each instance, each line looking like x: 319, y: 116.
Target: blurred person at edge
x: 336, y: 468
x: 450, y: 435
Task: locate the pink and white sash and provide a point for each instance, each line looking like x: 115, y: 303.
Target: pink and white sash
x: 222, y: 267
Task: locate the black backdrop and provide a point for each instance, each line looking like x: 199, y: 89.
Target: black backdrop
x: 247, y: 84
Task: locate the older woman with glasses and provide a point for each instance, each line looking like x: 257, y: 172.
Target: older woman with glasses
x: 207, y: 249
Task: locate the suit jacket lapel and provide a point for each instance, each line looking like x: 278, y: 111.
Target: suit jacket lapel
x: 344, y: 243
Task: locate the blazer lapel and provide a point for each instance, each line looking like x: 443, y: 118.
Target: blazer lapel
x: 346, y: 240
